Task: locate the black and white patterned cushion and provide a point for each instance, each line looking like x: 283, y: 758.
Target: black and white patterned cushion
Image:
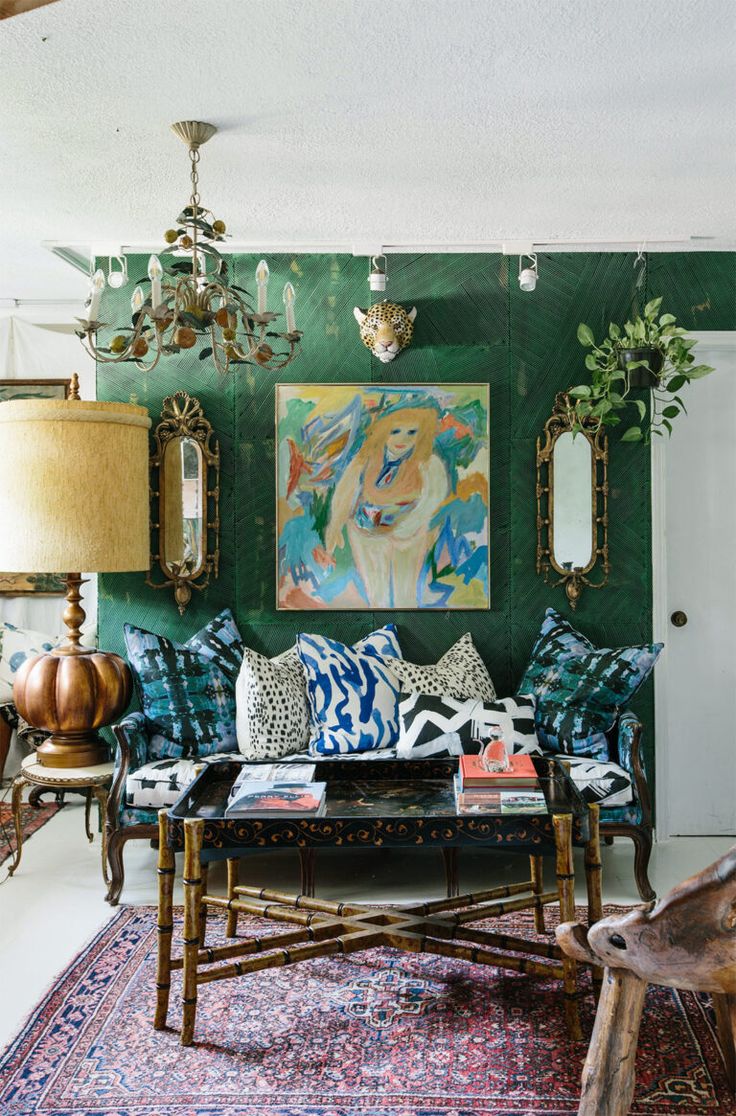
x: 600, y: 781
x: 272, y: 714
x: 460, y: 674
x: 160, y: 782
x: 442, y: 726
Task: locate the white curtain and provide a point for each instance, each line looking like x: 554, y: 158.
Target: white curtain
x: 37, y: 342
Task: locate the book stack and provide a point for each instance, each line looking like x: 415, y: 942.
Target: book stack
x: 276, y: 790
x: 515, y: 791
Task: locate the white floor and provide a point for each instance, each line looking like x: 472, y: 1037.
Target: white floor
x: 55, y: 903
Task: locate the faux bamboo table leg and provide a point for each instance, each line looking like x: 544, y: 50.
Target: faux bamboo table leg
x: 536, y: 865
x: 202, y: 907
x: 233, y: 878
x: 566, y: 892
x: 609, y: 1071
x: 18, y: 784
x: 165, y: 926
x: 593, y: 868
x: 101, y: 795
x: 193, y: 834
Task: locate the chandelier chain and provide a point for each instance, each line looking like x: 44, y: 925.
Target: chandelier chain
x: 194, y: 157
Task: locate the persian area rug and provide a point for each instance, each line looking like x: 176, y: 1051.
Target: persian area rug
x: 380, y: 1033
x: 32, y: 818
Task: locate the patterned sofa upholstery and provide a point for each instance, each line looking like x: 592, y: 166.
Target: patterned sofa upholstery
x: 142, y: 785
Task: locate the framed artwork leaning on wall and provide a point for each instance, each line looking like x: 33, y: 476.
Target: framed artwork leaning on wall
x: 382, y: 496
x: 26, y: 584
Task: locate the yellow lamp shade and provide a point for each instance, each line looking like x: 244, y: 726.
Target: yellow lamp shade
x: 73, y: 486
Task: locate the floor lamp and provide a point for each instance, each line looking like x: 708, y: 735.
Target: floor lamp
x: 73, y: 496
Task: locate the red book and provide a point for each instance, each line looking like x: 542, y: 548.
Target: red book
x: 521, y: 773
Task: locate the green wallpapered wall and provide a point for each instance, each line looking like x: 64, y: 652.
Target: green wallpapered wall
x: 473, y: 324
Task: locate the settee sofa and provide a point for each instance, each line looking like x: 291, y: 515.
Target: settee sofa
x: 142, y: 785
x: 214, y: 698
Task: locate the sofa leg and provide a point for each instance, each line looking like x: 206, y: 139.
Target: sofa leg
x: 115, y: 843
x: 306, y: 860
x: 642, y: 839
x: 452, y: 872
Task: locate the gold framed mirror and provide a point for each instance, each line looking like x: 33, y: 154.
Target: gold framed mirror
x: 185, y: 499
x: 572, y: 502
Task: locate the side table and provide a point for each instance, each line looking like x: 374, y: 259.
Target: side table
x: 95, y: 780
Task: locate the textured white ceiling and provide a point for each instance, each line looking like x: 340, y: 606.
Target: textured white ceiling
x: 418, y: 121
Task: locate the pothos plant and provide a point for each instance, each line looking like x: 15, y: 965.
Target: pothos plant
x: 657, y: 345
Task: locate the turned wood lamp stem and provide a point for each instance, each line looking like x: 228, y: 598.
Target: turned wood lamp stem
x: 74, y: 616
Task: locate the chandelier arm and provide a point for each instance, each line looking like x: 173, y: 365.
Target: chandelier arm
x: 221, y: 369
x: 272, y: 366
x: 157, y: 349
x: 252, y: 350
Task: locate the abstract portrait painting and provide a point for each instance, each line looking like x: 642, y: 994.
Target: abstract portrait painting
x: 382, y: 496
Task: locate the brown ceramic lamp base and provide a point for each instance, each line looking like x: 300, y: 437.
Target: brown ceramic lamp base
x: 73, y: 750
x: 71, y: 692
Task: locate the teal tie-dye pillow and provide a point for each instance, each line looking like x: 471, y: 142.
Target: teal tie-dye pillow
x: 581, y: 689
x: 187, y: 691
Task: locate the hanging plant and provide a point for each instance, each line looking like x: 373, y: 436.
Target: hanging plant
x: 646, y: 352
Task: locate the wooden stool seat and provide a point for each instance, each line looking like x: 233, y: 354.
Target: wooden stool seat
x: 686, y: 941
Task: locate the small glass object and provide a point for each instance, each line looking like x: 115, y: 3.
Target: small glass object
x: 494, y: 757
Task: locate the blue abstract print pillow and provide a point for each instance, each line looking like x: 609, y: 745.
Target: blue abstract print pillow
x: 187, y: 691
x: 581, y: 689
x: 353, y: 694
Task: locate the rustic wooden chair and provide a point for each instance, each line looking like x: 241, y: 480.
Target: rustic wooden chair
x: 687, y: 941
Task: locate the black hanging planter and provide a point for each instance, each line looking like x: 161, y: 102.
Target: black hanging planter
x: 642, y: 377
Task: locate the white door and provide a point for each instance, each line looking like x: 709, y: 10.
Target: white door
x: 694, y: 553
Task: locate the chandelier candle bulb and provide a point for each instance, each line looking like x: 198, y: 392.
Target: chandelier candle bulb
x: 262, y: 281
x: 137, y: 300
x: 155, y: 274
x: 98, y: 286
x: 289, y: 297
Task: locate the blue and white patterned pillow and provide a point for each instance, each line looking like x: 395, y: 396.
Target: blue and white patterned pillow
x: 353, y: 695
x: 581, y: 689
x: 187, y: 691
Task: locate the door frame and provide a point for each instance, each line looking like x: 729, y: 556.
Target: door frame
x: 723, y: 340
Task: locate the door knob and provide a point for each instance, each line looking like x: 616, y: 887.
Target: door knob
x: 679, y: 619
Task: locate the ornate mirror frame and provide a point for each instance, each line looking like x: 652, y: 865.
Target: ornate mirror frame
x: 561, y: 422
x: 182, y: 417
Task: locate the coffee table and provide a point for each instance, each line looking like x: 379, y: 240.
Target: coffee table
x: 376, y: 804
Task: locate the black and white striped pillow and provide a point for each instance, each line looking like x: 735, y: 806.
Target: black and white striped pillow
x: 443, y: 726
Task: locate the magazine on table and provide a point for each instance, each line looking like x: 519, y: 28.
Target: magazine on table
x: 266, y: 798
x: 272, y: 773
x: 494, y: 801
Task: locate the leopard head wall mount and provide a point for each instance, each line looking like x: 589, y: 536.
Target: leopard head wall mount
x: 385, y: 328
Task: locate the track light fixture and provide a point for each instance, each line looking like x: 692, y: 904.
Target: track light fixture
x: 528, y: 275
x: 117, y: 279
x: 377, y: 278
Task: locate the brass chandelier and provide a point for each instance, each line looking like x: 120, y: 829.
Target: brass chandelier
x: 189, y: 298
